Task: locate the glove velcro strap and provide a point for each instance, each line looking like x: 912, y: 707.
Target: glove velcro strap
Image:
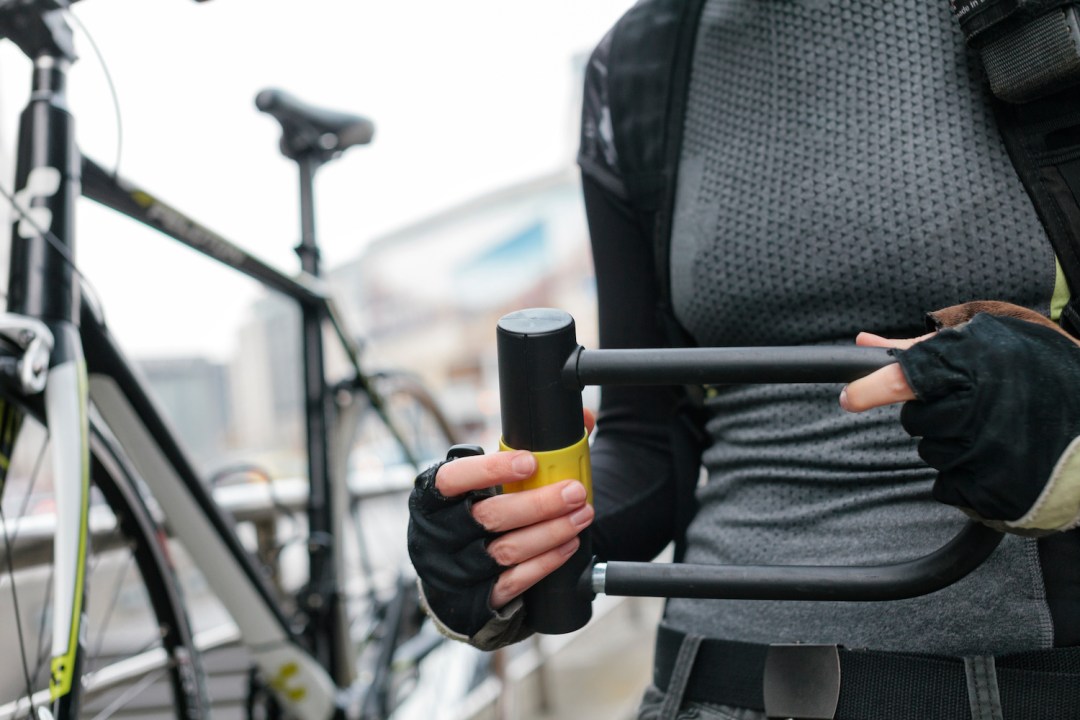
x: 505, y: 626
x: 1058, y: 506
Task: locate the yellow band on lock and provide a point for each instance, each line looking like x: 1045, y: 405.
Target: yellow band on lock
x: 552, y: 466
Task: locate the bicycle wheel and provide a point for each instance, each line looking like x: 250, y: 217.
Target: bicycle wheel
x: 415, y: 414
x: 379, y: 593
x: 138, y: 658
x: 380, y: 472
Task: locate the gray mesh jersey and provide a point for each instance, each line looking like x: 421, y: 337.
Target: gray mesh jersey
x: 841, y: 171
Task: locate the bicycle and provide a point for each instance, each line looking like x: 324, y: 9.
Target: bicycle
x: 86, y: 453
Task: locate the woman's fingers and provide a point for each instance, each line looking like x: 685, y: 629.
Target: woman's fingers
x: 537, y: 528
x: 484, y: 471
x: 884, y: 386
x: 540, y: 529
x: 546, y: 523
x: 590, y: 420
x: 865, y: 339
x: 521, y: 577
x: 519, y: 546
x: 519, y: 509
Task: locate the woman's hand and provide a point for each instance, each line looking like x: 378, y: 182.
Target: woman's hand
x: 889, y: 384
x: 537, y: 529
x: 475, y: 550
x: 995, y: 406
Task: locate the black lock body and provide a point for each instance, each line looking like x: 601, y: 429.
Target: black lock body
x: 543, y: 415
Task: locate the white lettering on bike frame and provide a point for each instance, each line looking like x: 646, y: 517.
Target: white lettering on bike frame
x: 43, y: 182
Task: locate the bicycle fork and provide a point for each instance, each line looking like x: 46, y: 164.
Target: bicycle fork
x: 42, y: 287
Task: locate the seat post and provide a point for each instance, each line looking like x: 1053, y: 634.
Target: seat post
x: 308, y: 249
x: 321, y: 600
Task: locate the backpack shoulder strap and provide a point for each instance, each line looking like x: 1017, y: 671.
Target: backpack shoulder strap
x: 1043, y: 140
x: 1030, y: 52
x: 649, y: 70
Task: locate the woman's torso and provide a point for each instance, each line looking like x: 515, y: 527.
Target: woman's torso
x: 840, y: 172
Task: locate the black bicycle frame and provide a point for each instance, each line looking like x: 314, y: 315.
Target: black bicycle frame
x: 320, y: 600
x: 114, y: 192
x: 542, y: 370
x: 43, y: 285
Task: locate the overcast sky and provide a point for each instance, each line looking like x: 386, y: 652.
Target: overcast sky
x: 467, y: 96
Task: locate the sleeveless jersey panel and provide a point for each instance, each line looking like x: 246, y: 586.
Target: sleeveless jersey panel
x: 841, y: 171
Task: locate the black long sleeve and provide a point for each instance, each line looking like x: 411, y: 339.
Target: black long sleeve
x: 643, y: 454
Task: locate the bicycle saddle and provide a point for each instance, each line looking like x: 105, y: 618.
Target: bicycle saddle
x: 309, y: 131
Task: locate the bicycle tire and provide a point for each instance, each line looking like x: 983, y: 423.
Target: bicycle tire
x: 139, y: 655
x: 379, y: 472
x: 413, y: 410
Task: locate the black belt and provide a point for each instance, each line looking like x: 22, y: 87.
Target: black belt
x: 1036, y: 685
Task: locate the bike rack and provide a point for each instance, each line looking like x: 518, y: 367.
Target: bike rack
x: 542, y: 371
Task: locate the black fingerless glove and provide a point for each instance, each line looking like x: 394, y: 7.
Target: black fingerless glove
x: 449, y: 551
x: 998, y: 410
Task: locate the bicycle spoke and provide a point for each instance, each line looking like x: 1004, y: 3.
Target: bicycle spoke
x: 102, y: 629
x: 132, y: 692
x: 43, y: 649
x: 42, y: 454
x: 15, y: 606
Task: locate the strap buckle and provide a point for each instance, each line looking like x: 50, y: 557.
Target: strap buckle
x: 802, y: 681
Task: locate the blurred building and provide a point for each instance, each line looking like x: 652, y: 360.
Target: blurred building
x: 266, y: 387
x: 426, y: 299
x: 194, y: 395
x: 432, y: 293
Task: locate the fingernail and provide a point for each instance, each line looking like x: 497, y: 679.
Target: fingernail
x: 843, y: 399
x: 573, y: 493
x: 582, y: 517
x: 523, y: 463
x: 570, y: 547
